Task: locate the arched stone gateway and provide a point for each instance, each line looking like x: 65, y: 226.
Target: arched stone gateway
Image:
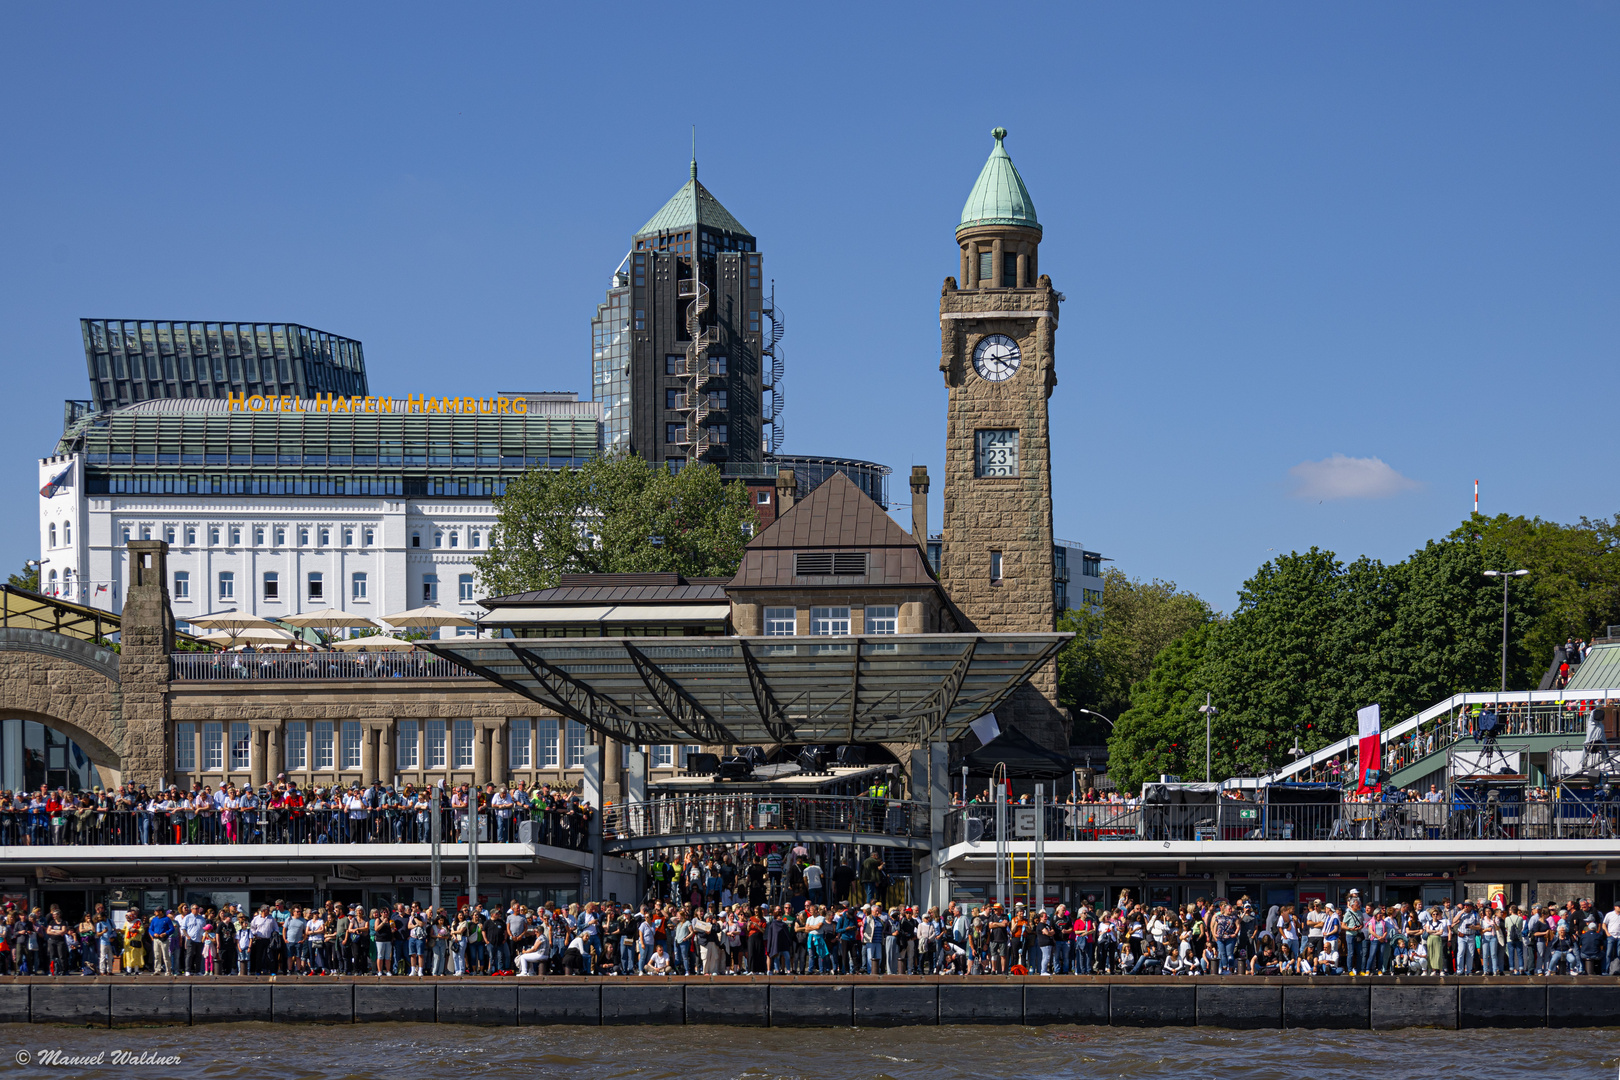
x: 65, y: 684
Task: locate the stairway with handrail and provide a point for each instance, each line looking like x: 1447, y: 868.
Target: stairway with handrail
x: 697, y: 367
x: 771, y: 353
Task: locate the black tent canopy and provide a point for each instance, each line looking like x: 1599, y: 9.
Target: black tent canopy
x: 1024, y: 757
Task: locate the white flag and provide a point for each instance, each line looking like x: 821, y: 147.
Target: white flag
x: 986, y: 728
x: 1367, y: 722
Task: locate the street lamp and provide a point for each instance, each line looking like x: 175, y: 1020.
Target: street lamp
x: 1210, y: 712
x: 1505, y: 575
x: 1098, y: 715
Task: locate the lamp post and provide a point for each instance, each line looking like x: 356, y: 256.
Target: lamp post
x: 1210, y: 712
x: 1505, y: 575
x: 1098, y: 715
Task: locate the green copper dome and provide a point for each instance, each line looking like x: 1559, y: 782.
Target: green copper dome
x: 999, y: 197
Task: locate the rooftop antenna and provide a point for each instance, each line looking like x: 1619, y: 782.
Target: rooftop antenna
x: 694, y: 151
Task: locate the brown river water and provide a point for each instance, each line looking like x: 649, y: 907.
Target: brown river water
x: 439, y: 1052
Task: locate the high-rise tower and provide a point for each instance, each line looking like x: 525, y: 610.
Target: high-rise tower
x: 680, y: 346
x: 997, y: 332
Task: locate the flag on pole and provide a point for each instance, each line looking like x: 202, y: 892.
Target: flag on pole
x: 1370, y: 745
x: 55, y: 483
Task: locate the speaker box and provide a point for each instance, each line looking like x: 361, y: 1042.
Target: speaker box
x: 813, y: 759
x: 735, y: 768
x: 751, y: 754
x: 702, y: 764
x: 851, y: 756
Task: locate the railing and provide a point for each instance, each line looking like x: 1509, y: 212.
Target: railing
x: 697, y: 367
x: 273, y: 825
x: 1573, y: 818
x: 1532, y: 712
x: 689, y: 815
x: 396, y: 664
x: 771, y: 350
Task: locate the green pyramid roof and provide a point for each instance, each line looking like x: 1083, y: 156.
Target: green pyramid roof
x: 999, y: 197
x: 691, y: 206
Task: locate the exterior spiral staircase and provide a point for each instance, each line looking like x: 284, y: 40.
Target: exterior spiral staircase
x: 771, y: 353
x: 699, y: 340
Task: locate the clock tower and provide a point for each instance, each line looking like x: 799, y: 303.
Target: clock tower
x: 997, y: 331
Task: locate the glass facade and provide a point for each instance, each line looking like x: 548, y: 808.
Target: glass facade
x: 610, y: 362
x: 134, y: 360
x: 204, y: 449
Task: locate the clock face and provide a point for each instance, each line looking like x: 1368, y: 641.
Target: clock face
x: 996, y: 358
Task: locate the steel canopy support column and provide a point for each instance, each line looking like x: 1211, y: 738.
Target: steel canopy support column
x: 681, y: 708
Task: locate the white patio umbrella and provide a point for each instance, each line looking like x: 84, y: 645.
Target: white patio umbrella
x: 232, y: 621
x: 327, y: 619
x: 261, y: 635
x: 425, y: 617
x: 374, y: 642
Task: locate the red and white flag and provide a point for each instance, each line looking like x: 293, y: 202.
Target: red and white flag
x: 1371, y: 746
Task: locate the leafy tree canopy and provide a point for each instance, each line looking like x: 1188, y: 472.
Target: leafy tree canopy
x: 28, y: 579
x: 615, y: 515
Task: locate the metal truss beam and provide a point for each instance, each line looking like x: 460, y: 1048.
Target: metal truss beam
x: 578, y: 701
x: 939, y: 704
x: 770, y: 713
x: 680, y: 707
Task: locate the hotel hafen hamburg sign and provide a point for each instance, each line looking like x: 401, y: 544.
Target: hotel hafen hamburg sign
x: 414, y: 403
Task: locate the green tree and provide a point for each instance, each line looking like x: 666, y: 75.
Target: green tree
x: 28, y: 579
x: 615, y: 515
x: 1574, y: 579
x: 1114, y: 648
x: 1156, y: 735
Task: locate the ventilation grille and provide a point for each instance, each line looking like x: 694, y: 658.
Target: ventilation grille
x: 835, y: 563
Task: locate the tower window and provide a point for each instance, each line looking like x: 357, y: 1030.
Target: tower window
x: 995, y: 567
x: 672, y: 363
x: 674, y: 399
x: 987, y: 266
x: 674, y: 433
x: 1009, y: 271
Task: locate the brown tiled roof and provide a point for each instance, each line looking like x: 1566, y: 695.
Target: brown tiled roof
x: 836, y: 516
x: 619, y: 589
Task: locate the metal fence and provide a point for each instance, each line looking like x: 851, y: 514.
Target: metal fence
x: 389, y: 825
x: 395, y: 664
x: 697, y: 814
x: 1232, y: 820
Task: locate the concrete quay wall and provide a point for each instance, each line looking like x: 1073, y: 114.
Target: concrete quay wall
x: 821, y: 1001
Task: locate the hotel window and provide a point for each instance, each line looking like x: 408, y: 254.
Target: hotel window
x: 351, y: 744
x: 416, y: 539
x: 213, y: 534
x: 430, y: 589
x: 576, y: 744
x: 182, y: 584
x: 663, y: 756
x: 365, y: 536
x: 168, y: 534
x: 303, y: 536
x: 67, y: 533
x: 520, y: 751
x: 272, y: 585
x: 545, y: 730
x: 227, y: 585
x: 323, y: 745
x: 438, y: 539
x: 463, y: 732
x: 455, y: 538
x: 435, y: 744
x: 324, y: 536
x: 474, y: 539
x: 357, y: 586
x: 53, y: 536
x: 241, y: 746
x: 883, y: 620
x: 464, y: 588
x: 297, y: 747
x: 258, y: 535
x: 125, y: 533
x: 348, y: 537
x: 406, y: 748
x: 213, y: 747
x: 833, y: 621
x: 236, y: 536
x: 185, y: 747
x: 146, y: 532
x: 280, y: 536
x: 781, y: 622
x: 191, y: 535
x: 317, y: 587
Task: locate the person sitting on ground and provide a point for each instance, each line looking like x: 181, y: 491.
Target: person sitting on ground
x: 657, y: 963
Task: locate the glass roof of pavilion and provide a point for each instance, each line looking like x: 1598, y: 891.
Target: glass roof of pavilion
x: 905, y: 688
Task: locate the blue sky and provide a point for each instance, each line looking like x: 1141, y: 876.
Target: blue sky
x: 1326, y: 265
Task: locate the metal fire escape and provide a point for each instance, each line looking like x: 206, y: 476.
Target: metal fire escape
x: 697, y: 365
x: 771, y: 354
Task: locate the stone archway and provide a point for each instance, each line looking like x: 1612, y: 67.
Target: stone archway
x: 65, y: 684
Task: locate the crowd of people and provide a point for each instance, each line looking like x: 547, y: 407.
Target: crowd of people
x: 285, y: 813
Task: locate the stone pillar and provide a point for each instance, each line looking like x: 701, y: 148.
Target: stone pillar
x: 966, y: 258
x: 385, y: 750
x: 368, y: 752
x: 499, y: 759
x: 146, y: 640
x: 612, y: 771
x: 277, y: 758
x: 919, y: 505
x: 996, y: 266
x: 258, y: 754
x: 480, y: 754
x: 1023, y: 270
x: 971, y: 279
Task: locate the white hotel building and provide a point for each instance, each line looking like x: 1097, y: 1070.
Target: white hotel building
x: 283, y: 512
